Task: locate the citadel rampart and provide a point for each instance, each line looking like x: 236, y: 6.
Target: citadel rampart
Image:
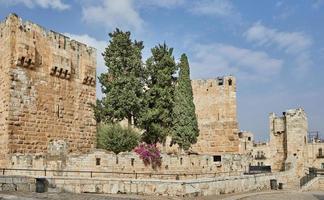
x: 47, y: 86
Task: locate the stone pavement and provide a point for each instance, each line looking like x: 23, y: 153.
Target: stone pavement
x: 266, y: 195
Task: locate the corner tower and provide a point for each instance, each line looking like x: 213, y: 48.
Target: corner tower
x: 288, y: 141
x: 215, y: 102
x: 46, y: 89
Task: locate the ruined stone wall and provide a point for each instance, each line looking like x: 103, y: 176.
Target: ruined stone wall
x: 288, y: 141
x: 278, y: 142
x: 215, y: 102
x: 52, y: 84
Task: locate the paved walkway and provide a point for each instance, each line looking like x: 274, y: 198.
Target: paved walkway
x: 267, y: 195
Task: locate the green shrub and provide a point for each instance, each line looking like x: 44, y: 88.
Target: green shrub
x: 115, y: 138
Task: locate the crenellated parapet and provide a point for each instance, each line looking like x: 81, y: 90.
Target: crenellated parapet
x: 35, y: 47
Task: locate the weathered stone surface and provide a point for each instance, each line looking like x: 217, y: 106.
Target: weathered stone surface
x: 215, y: 102
x: 47, y: 83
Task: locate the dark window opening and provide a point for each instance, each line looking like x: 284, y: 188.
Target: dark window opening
x: 132, y: 161
x: 249, y: 138
x: 220, y: 81
x: 116, y: 160
x: 180, y: 161
x: 98, y: 161
x: 230, y: 82
x: 320, y: 151
x: 22, y: 60
x: 217, y: 158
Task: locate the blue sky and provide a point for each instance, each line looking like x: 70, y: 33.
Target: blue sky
x: 275, y: 48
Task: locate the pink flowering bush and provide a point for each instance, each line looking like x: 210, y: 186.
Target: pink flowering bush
x: 150, y: 155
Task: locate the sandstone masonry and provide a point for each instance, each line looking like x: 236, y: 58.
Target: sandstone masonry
x: 47, y: 83
x: 215, y: 102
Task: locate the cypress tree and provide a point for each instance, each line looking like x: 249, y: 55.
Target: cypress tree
x: 123, y: 82
x: 185, y: 127
x: 156, y: 118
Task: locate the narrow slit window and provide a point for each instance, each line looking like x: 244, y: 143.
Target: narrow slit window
x: 98, y: 160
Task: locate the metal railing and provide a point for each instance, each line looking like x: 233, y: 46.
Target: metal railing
x: 109, y: 174
x: 313, y: 172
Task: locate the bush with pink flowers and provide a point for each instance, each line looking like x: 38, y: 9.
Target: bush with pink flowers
x: 150, y: 154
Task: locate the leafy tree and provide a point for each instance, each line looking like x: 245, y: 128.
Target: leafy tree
x: 185, y: 127
x: 114, y: 137
x: 123, y: 83
x: 98, y: 111
x: 156, y: 116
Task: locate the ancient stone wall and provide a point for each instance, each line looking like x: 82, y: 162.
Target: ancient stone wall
x: 215, y: 102
x: 127, y: 164
x: 5, y: 61
x: 297, y: 131
x: 288, y: 147
x: 52, y: 84
x: 278, y: 142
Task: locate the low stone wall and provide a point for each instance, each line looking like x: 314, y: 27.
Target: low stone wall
x: 17, y: 183
x: 189, y: 187
x: 126, y: 165
x: 201, y: 187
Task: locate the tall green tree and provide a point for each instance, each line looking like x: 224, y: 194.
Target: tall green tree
x: 156, y: 116
x: 185, y: 127
x: 123, y: 83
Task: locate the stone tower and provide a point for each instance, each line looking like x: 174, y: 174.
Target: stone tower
x: 288, y: 140
x: 215, y: 102
x: 47, y: 86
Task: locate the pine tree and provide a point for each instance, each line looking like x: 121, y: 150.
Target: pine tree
x: 156, y: 118
x: 123, y: 83
x: 185, y: 127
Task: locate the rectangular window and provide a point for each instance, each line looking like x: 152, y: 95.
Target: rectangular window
x: 217, y: 158
x: 98, y: 161
x: 322, y: 165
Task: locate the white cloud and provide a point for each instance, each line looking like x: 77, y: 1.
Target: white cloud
x: 226, y: 59
x: 54, y: 4
x: 100, y: 46
x: 112, y: 14
x: 293, y: 43
x: 213, y: 7
x: 162, y: 3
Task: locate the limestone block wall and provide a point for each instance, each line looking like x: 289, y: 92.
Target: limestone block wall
x: 215, y: 102
x: 5, y: 54
x: 187, y: 188
x: 128, y: 164
x: 316, y: 155
x: 261, y: 154
x: 49, y: 86
x: 278, y: 142
x: 297, y: 131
